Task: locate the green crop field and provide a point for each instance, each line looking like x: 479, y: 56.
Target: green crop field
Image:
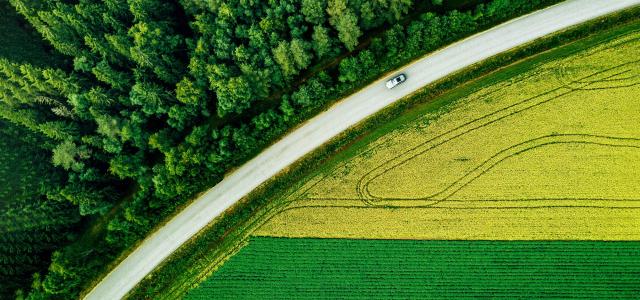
x: 280, y: 268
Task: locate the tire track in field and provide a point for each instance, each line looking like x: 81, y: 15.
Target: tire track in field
x: 446, y: 194
x: 560, y: 70
x: 323, y: 206
x: 614, y: 78
x: 518, y: 149
x: 362, y: 187
x: 482, y: 94
x: 505, y: 154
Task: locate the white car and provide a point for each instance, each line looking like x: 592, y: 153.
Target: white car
x: 393, y: 82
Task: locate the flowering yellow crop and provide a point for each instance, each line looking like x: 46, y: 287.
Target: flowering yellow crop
x: 551, y: 153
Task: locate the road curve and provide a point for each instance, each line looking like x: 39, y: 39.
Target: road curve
x: 344, y: 114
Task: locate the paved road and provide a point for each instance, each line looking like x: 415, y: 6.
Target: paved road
x: 335, y: 120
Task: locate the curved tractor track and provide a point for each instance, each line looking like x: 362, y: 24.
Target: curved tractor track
x: 619, y: 76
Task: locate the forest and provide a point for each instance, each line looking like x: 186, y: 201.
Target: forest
x: 120, y: 111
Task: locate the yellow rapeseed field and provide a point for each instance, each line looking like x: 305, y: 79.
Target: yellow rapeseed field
x: 550, y: 153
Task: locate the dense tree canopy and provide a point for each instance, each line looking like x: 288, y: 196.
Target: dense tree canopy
x: 33, y: 220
